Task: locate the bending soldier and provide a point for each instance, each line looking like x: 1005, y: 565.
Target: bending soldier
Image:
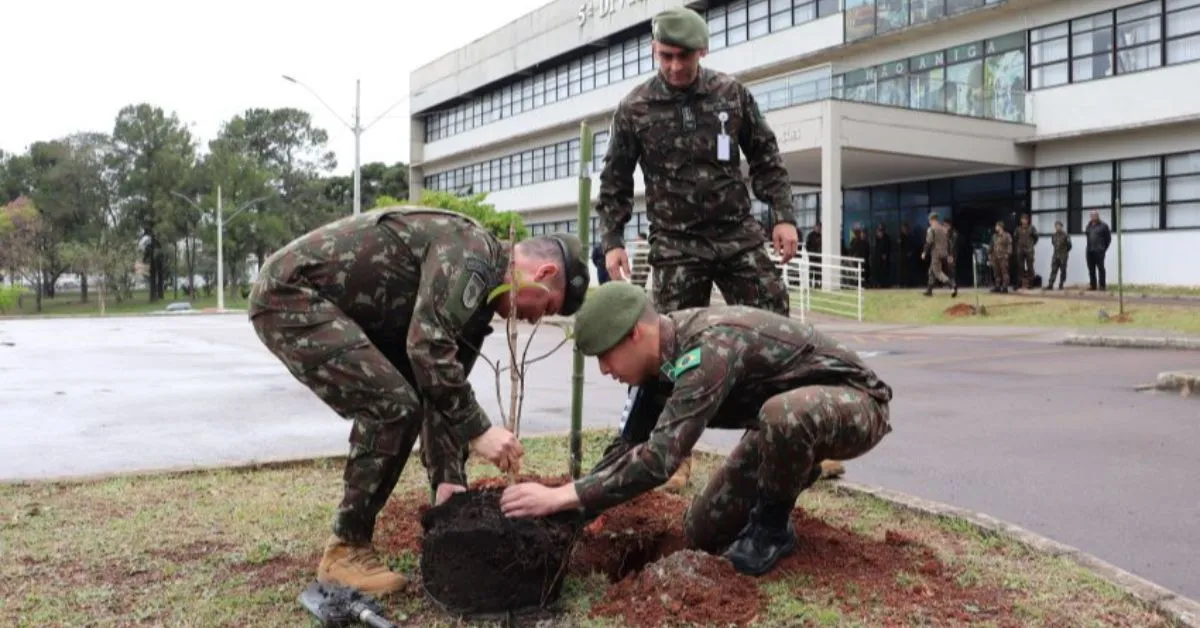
x: 799, y: 395
x: 382, y: 315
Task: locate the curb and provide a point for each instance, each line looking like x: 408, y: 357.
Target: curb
x: 1176, y: 608
x: 1184, y: 343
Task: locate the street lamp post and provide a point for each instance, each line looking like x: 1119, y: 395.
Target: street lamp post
x: 357, y: 129
x: 221, y: 239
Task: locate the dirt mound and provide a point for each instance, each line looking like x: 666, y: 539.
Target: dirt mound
x: 960, y: 309
x: 905, y: 575
x: 625, y: 538
x: 688, y: 587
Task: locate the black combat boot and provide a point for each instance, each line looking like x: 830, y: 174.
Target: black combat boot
x: 954, y: 293
x: 928, y: 291
x: 767, y: 537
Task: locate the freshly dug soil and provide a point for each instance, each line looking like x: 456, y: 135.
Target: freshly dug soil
x: 624, y: 539
x: 960, y: 309
x: 688, y: 587
x: 475, y: 560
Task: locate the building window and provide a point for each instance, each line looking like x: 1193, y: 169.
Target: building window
x: 1183, y: 190
x: 1183, y: 30
x: 1139, y: 189
x: 599, y: 150
x: 867, y: 18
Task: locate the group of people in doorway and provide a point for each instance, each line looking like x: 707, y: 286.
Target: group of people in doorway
x: 1009, y: 256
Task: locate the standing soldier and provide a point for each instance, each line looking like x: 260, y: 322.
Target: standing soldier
x: 1025, y: 239
x: 1062, y: 251
x: 952, y: 246
x: 881, y: 258
x: 1000, y: 254
x: 687, y: 127
x: 1099, y: 237
x: 937, y: 251
x: 798, y: 394
x: 861, y: 249
x: 382, y: 315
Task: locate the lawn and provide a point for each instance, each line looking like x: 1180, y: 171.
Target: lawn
x: 71, y: 304
x: 235, y: 547
x: 1030, y: 309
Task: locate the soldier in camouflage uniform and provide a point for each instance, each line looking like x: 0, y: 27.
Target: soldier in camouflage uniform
x: 937, y: 251
x: 685, y: 127
x: 1000, y: 255
x: 800, y: 396
x: 382, y: 315
x: 1062, y: 252
x: 1025, y: 238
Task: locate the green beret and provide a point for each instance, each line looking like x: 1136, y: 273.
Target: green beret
x: 607, y: 316
x: 681, y: 27
x: 575, y: 268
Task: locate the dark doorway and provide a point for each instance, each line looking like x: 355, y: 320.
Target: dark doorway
x: 976, y: 221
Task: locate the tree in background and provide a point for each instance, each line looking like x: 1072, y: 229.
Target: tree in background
x: 497, y: 222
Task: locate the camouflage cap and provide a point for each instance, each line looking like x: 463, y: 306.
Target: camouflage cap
x: 607, y: 316
x: 934, y: 215
x: 681, y: 27
x: 575, y: 269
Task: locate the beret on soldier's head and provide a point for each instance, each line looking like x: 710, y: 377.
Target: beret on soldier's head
x: 577, y: 277
x: 681, y: 27
x: 607, y: 316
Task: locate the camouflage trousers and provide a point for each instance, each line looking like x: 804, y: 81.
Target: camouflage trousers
x: 1025, y: 267
x: 1000, y: 271
x: 1057, y: 265
x: 777, y: 462
x: 327, y: 351
x: 940, y: 271
x: 749, y: 278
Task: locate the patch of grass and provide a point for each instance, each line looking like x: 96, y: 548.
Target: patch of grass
x: 235, y: 547
x: 71, y: 304
x: 910, y: 307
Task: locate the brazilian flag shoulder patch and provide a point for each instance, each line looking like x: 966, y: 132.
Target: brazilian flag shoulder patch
x: 686, y: 362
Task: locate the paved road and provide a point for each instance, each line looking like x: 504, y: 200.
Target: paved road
x: 998, y: 420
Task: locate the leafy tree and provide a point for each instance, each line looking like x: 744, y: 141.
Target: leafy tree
x: 22, y: 243
x: 474, y: 206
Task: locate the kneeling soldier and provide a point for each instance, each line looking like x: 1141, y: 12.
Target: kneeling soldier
x: 800, y: 396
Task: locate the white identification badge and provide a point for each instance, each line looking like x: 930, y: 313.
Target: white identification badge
x: 723, y: 138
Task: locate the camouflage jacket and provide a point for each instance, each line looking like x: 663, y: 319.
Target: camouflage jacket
x: 696, y: 196
x: 937, y: 242
x: 416, y: 281
x: 1025, y: 237
x: 725, y: 362
x: 1001, y: 245
x: 1062, y: 245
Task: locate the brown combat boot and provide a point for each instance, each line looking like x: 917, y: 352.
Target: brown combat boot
x: 359, y: 567
x: 832, y: 469
x: 679, y: 481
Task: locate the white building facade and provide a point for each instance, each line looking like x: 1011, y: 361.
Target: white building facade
x: 885, y: 110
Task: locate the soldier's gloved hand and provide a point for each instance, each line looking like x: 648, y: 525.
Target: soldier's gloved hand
x: 499, y: 447
x: 617, y: 263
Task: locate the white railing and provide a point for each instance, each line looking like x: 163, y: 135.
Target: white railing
x: 832, y: 285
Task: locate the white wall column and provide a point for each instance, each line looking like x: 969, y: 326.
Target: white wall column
x: 831, y: 188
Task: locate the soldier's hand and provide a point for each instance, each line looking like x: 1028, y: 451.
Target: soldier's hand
x: 499, y: 447
x: 786, y: 240
x: 617, y: 263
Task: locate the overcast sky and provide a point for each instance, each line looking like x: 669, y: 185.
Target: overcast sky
x: 70, y: 65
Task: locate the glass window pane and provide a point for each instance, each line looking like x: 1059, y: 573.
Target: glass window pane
x: 1183, y: 188
x: 1183, y: 22
x: 1144, y: 191
x: 1183, y: 215
x: 1096, y: 194
x: 1049, y: 75
x: 1183, y: 164
x: 1091, y: 67
x: 1044, y: 221
x: 1049, y: 176
x: 1049, y: 198
x: 1045, y: 52
x: 1091, y: 173
x: 1139, y: 168
x: 1183, y: 50
x: 1049, y: 32
x: 1139, y: 216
